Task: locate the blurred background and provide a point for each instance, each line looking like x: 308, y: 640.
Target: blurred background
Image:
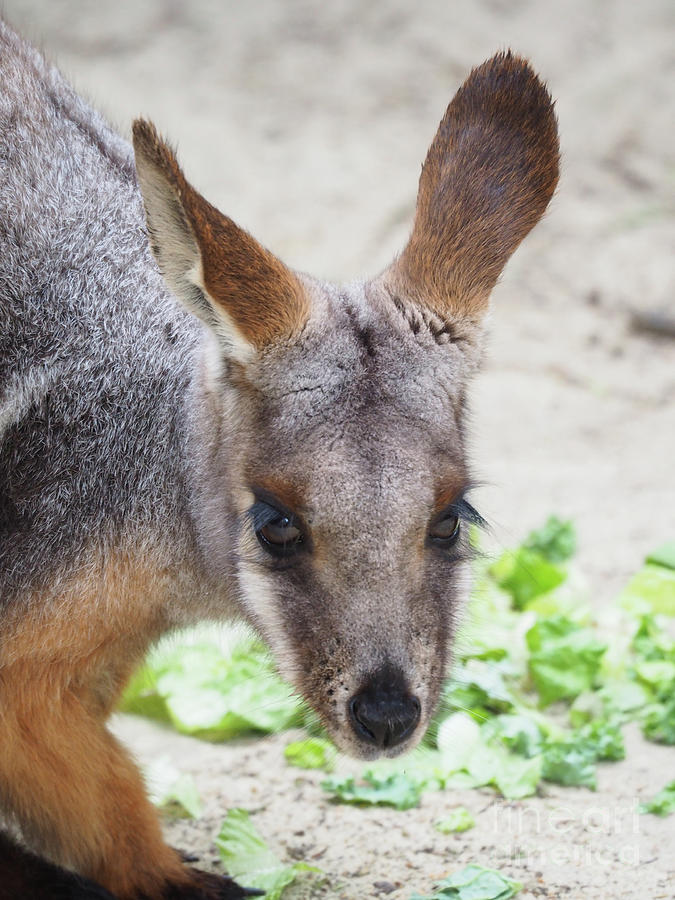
x: 307, y: 122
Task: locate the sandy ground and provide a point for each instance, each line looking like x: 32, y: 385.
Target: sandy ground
x: 307, y: 123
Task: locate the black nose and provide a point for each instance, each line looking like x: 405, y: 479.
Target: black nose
x: 384, y: 713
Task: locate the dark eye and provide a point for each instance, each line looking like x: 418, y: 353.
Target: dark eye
x: 280, y: 535
x: 445, y: 531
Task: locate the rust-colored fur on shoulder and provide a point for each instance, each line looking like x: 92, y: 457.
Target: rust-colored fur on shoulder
x: 76, y: 793
x: 239, y: 273
x: 71, y: 786
x: 489, y: 175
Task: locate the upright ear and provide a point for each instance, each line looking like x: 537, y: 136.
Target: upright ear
x: 243, y: 293
x: 488, y: 177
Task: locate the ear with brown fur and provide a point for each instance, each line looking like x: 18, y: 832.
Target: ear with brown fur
x: 488, y: 177
x: 246, y: 295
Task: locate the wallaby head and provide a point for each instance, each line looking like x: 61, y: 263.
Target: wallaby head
x: 335, y: 479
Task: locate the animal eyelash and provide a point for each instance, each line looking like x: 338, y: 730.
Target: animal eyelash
x: 467, y: 513
x: 261, y: 514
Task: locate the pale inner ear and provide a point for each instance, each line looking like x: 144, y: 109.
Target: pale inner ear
x: 247, y: 296
x: 178, y: 256
x: 217, y: 318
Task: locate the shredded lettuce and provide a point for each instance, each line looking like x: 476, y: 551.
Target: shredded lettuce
x: 663, y: 804
x: 516, y: 731
x: 312, y: 753
x: 571, y: 760
x: 248, y: 858
x: 556, y: 540
x: 212, y: 694
x: 604, y: 737
x: 525, y: 574
x: 564, y: 658
x: 659, y: 722
x: 174, y: 792
x: 467, y: 759
x: 474, y: 882
x: 663, y: 555
x: 478, y: 687
x: 570, y: 763
x: 458, y: 819
x: 652, y: 589
x: 397, y: 790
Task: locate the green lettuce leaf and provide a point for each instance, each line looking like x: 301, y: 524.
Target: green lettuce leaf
x: 652, y: 588
x: 658, y: 674
x: 312, y: 753
x: 211, y: 694
x: 623, y: 699
x: 517, y: 777
x: 525, y: 574
x: 564, y: 658
x: 477, y: 687
x: 663, y: 555
x: 663, y: 804
x: 458, y: 819
x: 397, y: 790
x: 474, y: 882
x: 464, y: 752
x: 516, y: 731
x: 570, y: 763
x: 652, y: 640
x: 248, y: 858
x: 458, y: 737
x: 604, y: 738
x: 556, y: 540
x: 659, y: 722
x: 174, y: 792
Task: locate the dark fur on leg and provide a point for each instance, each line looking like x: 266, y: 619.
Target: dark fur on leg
x: 208, y: 886
x: 187, y: 857
x: 24, y: 876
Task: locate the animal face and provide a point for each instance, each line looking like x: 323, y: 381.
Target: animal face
x: 343, y: 445
x: 354, y: 529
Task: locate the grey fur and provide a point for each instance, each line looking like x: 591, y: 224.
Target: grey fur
x: 96, y: 357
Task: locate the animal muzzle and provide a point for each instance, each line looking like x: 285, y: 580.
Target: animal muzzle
x: 384, y: 713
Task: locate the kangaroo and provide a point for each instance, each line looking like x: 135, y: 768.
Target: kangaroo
x: 228, y: 438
